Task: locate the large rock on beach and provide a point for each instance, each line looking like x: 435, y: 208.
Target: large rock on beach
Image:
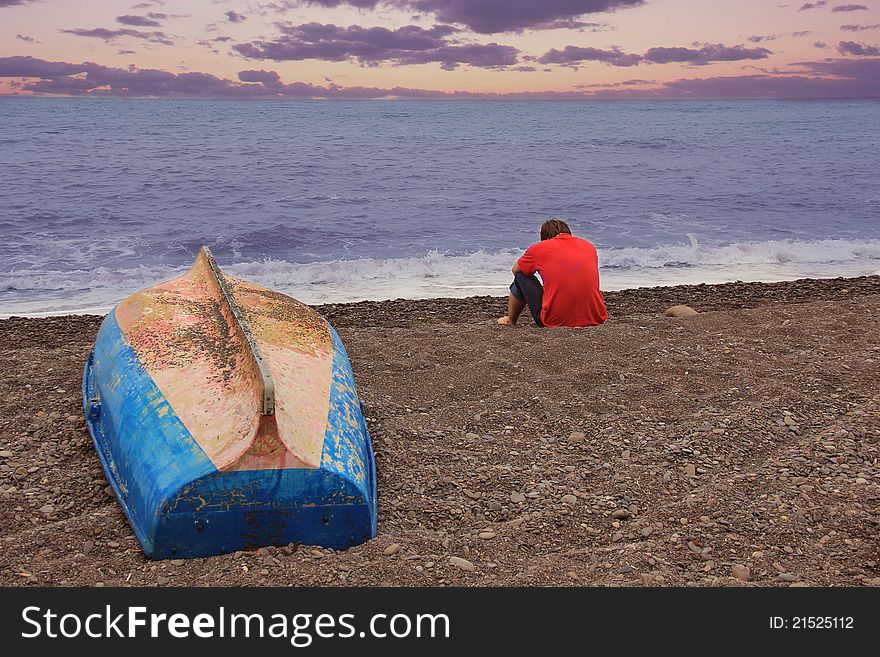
x: 680, y: 311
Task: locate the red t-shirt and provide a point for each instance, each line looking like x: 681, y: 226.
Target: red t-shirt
x: 569, y: 268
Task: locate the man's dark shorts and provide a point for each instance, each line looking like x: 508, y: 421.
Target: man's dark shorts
x: 529, y: 289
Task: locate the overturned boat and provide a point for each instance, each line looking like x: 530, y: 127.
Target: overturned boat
x: 226, y: 417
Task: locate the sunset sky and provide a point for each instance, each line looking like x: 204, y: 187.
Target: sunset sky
x: 441, y: 48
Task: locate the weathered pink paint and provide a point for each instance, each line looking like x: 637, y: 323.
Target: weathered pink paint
x: 185, y: 337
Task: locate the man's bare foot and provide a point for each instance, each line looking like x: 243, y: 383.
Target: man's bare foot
x: 506, y: 321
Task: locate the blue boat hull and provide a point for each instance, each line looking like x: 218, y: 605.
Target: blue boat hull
x: 180, y: 505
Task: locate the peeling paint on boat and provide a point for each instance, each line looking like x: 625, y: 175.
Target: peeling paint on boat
x: 171, y: 401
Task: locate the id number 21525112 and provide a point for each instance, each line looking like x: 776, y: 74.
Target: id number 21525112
x: 812, y: 623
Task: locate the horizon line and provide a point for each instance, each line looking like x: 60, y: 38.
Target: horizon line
x: 440, y: 99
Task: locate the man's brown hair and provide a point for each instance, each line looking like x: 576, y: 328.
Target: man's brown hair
x: 552, y: 228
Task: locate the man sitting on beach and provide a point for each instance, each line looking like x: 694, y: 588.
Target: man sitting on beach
x: 570, y: 294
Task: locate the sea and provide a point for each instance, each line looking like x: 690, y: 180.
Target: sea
x: 346, y: 201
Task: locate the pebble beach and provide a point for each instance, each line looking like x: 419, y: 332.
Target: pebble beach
x: 736, y: 447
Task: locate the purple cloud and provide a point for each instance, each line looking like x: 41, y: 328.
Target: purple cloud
x: 860, y: 49
x: 830, y: 78
x: 264, y: 77
x: 138, y: 21
x: 110, y: 35
x: 813, y: 5
x: 25, y: 38
x: 859, y: 28
x: 849, y: 8
x: 773, y: 37
x: 376, y: 45
x: 574, y: 54
x: 235, y: 17
x: 31, y: 67
x: 89, y: 79
x: 570, y: 24
x: 490, y: 16
x: 706, y: 54
x: 12, y: 3
x: 616, y: 85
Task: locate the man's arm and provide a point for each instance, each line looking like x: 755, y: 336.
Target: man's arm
x: 526, y: 263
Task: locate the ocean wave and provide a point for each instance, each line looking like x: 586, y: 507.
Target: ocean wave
x: 770, y: 252
x: 359, y: 200
x: 445, y: 274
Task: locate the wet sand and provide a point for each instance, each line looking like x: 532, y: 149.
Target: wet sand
x: 737, y: 447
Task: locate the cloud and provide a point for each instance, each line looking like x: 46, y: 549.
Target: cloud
x: 488, y: 16
x: 616, y: 85
x: 25, y: 38
x: 265, y: 77
x: 12, y: 3
x: 235, y: 17
x: 773, y: 37
x: 853, y: 48
x: 859, y: 28
x: 830, y: 78
x: 705, y: 55
x: 572, y: 55
x: 31, y: 67
x: 849, y: 8
x: 813, y: 5
x: 138, y: 21
x: 376, y: 45
x: 575, y: 54
x: 570, y: 24
x: 110, y: 35
x: 89, y: 79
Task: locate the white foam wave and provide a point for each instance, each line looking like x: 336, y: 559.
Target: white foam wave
x: 771, y: 252
x: 438, y: 274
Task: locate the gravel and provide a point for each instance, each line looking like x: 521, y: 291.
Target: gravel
x: 736, y: 447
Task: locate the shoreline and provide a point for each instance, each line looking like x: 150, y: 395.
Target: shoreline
x: 630, y: 294
x: 648, y: 451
